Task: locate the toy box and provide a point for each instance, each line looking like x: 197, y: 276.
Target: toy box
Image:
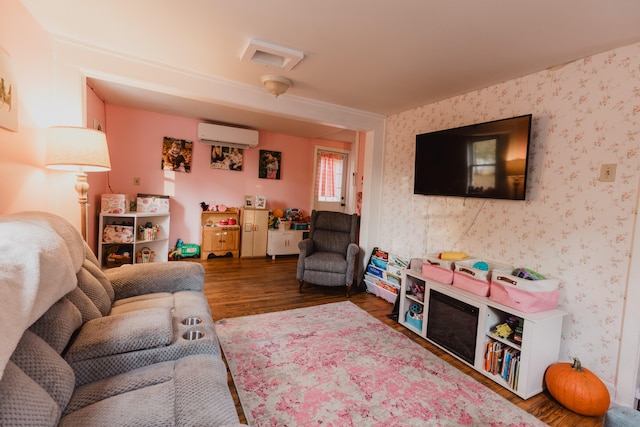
x: 468, y: 277
x: 438, y: 269
x: 384, y: 291
x: 115, y: 203
x: 152, y: 203
x: 416, y: 323
x: 117, y: 234
x: 529, y: 296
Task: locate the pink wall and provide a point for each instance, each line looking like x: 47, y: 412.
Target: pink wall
x: 135, y: 144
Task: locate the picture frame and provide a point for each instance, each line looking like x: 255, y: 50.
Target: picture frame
x: 270, y: 164
x: 261, y: 202
x: 226, y: 158
x: 248, y: 201
x: 176, y: 154
x: 8, y: 94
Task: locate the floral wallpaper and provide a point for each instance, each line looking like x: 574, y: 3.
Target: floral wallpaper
x: 572, y: 226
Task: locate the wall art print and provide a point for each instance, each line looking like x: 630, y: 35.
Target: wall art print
x: 270, y: 164
x: 8, y: 94
x: 229, y: 158
x: 176, y: 154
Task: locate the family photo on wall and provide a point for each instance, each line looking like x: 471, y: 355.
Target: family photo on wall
x: 176, y: 154
x: 229, y: 158
x: 270, y: 164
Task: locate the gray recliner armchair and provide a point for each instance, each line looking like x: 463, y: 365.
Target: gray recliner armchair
x: 328, y: 256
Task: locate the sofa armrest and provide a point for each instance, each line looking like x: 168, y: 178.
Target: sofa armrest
x: 140, y: 279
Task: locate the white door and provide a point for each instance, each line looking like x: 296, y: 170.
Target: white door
x: 330, y: 183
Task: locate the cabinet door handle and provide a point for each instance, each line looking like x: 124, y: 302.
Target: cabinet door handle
x: 466, y: 270
x: 506, y: 279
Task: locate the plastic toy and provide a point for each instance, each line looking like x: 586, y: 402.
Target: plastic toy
x: 525, y: 273
x: 184, y: 250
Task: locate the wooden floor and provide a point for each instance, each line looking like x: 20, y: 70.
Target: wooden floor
x: 239, y: 287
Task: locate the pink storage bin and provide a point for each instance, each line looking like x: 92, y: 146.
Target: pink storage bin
x: 529, y: 296
x: 438, y: 269
x: 469, y: 284
x: 437, y: 273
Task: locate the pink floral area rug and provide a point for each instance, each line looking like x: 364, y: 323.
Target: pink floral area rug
x: 336, y: 365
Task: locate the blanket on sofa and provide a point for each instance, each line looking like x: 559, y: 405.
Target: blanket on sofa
x: 34, y: 255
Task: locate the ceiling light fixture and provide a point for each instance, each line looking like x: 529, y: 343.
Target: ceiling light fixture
x: 276, y: 85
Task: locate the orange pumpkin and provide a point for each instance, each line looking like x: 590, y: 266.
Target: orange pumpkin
x: 577, y: 388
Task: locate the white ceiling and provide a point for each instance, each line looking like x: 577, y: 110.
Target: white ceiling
x: 378, y: 56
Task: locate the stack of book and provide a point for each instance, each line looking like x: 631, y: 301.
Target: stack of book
x: 503, y: 360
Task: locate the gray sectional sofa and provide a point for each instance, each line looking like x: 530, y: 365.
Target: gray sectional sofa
x: 135, y: 345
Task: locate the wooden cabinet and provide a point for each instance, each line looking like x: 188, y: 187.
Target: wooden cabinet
x: 255, y: 224
x: 284, y: 242
x: 124, y: 239
x: 220, y: 233
x: 517, y: 365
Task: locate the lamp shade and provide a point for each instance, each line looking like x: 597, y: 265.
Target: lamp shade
x: 515, y: 167
x: 69, y: 148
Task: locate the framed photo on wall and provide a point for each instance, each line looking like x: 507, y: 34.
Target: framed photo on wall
x: 8, y: 94
x: 176, y: 154
x: 261, y: 202
x: 270, y: 164
x: 229, y: 158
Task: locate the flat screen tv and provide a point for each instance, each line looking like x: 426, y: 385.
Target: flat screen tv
x: 487, y: 160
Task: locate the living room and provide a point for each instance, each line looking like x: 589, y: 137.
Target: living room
x: 572, y: 226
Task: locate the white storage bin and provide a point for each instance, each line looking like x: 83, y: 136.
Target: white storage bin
x: 472, y: 279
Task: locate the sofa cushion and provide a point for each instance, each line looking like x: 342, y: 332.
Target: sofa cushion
x: 46, y: 367
x: 140, y: 302
x: 123, y: 333
x: 23, y: 402
x: 83, y: 303
x: 91, y: 286
x: 191, y: 391
x: 58, y: 324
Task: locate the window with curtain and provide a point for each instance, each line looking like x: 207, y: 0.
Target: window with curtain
x: 329, y: 177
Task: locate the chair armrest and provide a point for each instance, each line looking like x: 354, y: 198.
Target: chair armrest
x: 306, y: 249
x: 352, y: 256
x: 141, y: 279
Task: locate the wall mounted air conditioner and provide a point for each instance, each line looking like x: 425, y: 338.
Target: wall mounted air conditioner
x: 226, y: 135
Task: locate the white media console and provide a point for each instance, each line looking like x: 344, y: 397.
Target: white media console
x: 517, y: 366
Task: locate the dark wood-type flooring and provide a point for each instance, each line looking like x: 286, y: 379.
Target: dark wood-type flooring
x: 239, y: 287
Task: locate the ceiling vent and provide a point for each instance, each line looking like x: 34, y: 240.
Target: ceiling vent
x: 271, y: 54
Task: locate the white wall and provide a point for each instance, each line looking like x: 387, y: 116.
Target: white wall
x: 572, y: 226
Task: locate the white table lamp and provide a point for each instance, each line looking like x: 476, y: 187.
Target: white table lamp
x: 81, y: 150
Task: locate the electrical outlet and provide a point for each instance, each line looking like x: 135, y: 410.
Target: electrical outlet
x: 608, y: 172
x: 136, y: 181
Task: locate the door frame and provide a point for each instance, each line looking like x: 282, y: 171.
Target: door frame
x: 350, y: 174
